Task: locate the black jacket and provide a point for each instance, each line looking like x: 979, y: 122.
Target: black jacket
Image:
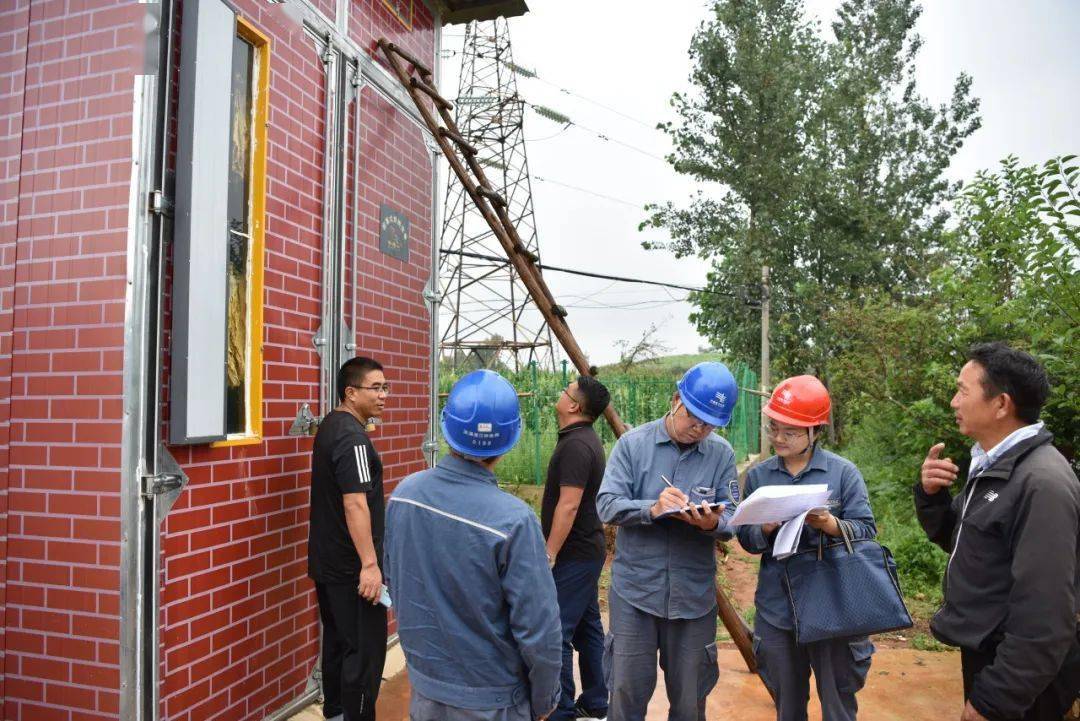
x: 1012, y: 582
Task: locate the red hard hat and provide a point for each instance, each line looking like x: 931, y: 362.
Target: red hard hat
x: 799, y: 401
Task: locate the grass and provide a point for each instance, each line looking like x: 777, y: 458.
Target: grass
x: 669, y: 366
x: 926, y: 642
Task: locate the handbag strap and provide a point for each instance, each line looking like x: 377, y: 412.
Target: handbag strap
x: 847, y: 532
x: 847, y: 535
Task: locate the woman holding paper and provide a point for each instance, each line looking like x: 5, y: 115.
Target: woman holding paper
x: 798, y: 410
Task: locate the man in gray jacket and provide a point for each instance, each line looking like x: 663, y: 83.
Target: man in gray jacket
x: 1013, y: 535
x: 468, y: 574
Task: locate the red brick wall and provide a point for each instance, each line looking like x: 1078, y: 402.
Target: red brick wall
x: 240, y: 624
x: 372, y: 20
x: 67, y: 252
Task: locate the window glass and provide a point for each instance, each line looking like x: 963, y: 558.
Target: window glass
x: 238, y: 359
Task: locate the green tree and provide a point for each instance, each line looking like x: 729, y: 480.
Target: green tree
x: 830, y: 168
x: 1013, y: 273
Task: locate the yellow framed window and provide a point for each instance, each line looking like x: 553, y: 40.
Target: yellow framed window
x: 246, y: 228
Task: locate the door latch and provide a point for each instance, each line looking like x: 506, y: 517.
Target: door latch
x: 154, y: 486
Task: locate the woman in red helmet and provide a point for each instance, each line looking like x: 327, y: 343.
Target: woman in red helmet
x: 798, y: 411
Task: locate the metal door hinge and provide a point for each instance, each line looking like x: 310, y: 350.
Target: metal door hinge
x: 160, y: 484
x: 159, y: 205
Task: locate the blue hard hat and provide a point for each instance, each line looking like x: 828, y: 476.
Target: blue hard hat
x: 481, y: 417
x: 709, y: 392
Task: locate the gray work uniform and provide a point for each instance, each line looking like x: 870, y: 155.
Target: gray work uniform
x: 839, y: 665
x: 663, y: 587
x: 475, y: 601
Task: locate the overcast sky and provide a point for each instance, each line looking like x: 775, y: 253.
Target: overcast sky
x: 1022, y: 56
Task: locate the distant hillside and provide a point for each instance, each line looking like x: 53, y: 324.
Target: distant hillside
x: 669, y: 366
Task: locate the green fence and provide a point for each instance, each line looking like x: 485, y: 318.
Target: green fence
x: 638, y: 400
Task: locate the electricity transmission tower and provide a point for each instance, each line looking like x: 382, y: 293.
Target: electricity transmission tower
x: 488, y: 319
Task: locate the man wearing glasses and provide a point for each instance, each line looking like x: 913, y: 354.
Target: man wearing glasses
x: 575, y: 544
x: 345, y: 543
x: 657, y: 486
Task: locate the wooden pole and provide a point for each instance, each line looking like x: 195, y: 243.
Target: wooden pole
x: 493, y: 209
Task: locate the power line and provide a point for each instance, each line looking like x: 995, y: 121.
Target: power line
x: 546, y: 112
x: 531, y: 74
x: 613, y: 199
x: 602, y: 276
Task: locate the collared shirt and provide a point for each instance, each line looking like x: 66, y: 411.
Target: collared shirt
x: 664, y: 567
x: 981, y: 460
x: 475, y: 601
x: 846, y: 487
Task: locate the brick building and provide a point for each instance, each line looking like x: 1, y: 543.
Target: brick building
x: 206, y: 206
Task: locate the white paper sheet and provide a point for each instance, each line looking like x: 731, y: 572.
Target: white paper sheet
x: 776, y: 504
x: 787, y: 538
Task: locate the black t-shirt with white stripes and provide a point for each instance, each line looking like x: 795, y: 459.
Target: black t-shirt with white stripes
x: 343, y: 460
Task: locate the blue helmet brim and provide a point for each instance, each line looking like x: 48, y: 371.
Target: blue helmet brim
x: 480, y: 452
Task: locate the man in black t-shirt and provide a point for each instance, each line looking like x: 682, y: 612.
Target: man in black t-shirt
x: 575, y: 544
x: 345, y: 543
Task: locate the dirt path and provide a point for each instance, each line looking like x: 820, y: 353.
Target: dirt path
x: 904, y: 684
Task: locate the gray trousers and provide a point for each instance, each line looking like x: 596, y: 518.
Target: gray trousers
x: 687, y: 650
x: 840, y: 667
x: 421, y: 708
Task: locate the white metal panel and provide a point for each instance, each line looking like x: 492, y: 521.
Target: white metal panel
x: 200, y: 292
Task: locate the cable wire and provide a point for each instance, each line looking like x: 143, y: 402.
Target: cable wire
x: 541, y: 179
x: 544, y: 112
x: 602, y: 276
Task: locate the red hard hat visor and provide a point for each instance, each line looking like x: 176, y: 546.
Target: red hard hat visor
x: 793, y: 420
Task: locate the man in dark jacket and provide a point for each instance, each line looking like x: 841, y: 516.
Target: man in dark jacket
x: 1011, y: 583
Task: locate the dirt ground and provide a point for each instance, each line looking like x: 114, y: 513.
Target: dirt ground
x: 904, y: 684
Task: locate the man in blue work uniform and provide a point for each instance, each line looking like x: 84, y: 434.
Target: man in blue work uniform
x: 468, y: 574
x: 663, y: 589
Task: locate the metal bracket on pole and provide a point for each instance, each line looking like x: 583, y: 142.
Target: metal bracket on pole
x: 305, y: 422
x: 319, y: 341
x: 348, y: 340
x: 166, y: 485
x: 160, y: 484
x: 429, y: 445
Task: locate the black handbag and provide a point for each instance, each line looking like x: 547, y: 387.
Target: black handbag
x: 844, y: 588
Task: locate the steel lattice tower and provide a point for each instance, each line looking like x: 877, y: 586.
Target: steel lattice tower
x: 488, y: 318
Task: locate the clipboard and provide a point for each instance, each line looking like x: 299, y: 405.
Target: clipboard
x: 712, y: 506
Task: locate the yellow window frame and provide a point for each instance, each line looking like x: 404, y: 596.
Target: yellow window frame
x: 261, y: 44
x: 392, y: 6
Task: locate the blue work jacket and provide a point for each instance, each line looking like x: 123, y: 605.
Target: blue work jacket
x: 475, y: 601
x: 664, y: 567
x: 846, y: 488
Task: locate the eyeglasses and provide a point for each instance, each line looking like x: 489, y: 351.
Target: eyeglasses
x: 575, y: 400
x: 384, y: 388
x: 774, y: 432
x: 696, y: 423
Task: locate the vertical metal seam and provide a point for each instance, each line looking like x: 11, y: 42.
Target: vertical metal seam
x: 329, y: 90
x: 132, y: 509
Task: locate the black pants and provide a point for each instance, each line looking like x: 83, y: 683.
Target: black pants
x: 1052, y: 703
x: 353, y: 651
